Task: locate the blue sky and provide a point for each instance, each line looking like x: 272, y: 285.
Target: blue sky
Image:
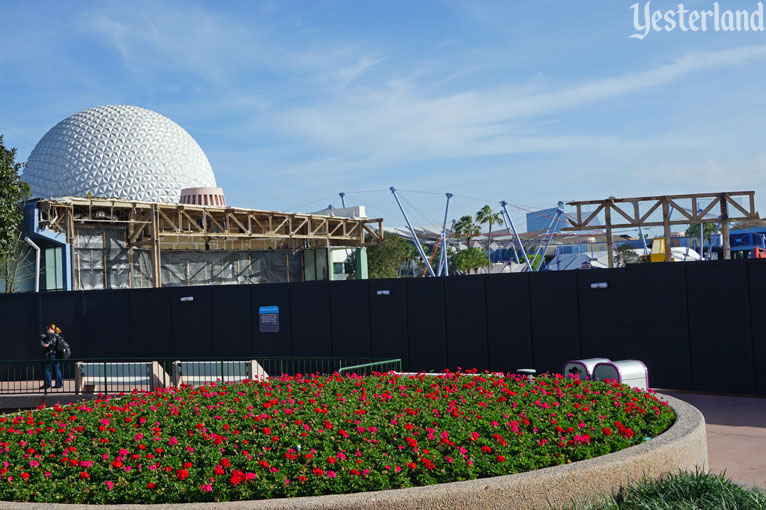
x: 294, y: 101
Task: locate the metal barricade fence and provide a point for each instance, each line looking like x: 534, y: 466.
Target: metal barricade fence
x: 114, y: 375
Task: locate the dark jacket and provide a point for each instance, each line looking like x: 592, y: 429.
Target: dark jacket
x: 50, y: 351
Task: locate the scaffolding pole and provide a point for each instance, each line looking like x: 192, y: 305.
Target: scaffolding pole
x: 443, y: 255
x: 412, y: 231
x: 710, y: 245
x: 503, y: 204
x: 552, y: 228
x: 643, y: 239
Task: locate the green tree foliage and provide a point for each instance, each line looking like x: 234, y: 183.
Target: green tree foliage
x: 694, y: 231
x: 393, y: 258
x: 13, y: 193
x: 412, y: 261
x: 485, y: 216
x: 385, y: 260
x: 628, y: 255
x: 536, y: 261
x: 465, y: 228
x: 470, y: 259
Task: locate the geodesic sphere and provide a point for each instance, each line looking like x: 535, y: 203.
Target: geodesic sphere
x: 117, y: 151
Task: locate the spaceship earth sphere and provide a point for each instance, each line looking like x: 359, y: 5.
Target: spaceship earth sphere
x: 117, y: 151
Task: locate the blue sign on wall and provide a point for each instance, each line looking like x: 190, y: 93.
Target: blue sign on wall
x: 269, y: 319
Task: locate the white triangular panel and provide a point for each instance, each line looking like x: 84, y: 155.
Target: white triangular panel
x: 117, y: 151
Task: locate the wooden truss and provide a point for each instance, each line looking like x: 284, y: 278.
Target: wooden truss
x: 159, y: 226
x: 636, y: 212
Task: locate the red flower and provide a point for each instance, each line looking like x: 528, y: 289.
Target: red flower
x: 500, y: 458
x: 237, y: 477
x: 486, y: 449
x: 151, y: 485
x: 411, y: 441
x: 624, y: 431
x: 318, y: 471
x: 582, y: 439
x: 84, y: 475
x: 607, y: 431
x: 331, y: 460
x: 182, y: 474
x: 225, y: 462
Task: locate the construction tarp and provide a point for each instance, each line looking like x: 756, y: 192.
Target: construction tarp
x: 181, y: 268
x: 103, y: 261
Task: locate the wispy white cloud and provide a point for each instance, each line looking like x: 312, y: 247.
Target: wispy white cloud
x: 191, y: 39
x: 398, y: 117
x: 350, y: 73
x: 281, y: 90
x: 728, y: 172
x: 400, y: 121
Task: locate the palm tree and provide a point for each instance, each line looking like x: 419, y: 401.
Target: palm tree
x: 467, y: 228
x: 485, y: 215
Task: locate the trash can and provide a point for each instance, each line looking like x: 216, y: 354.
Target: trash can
x: 582, y: 368
x: 529, y: 373
x: 629, y: 371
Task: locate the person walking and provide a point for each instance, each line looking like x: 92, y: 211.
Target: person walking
x: 49, y: 342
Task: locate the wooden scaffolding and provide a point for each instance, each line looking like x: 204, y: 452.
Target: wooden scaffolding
x: 636, y: 212
x: 158, y: 226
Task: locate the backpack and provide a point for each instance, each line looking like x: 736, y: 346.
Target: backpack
x: 63, y: 351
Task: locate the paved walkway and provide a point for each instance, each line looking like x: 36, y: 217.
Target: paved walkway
x: 736, y: 434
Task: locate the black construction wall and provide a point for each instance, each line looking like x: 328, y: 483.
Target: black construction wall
x: 698, y: 326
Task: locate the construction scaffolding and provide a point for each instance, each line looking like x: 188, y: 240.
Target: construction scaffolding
x: 641, y: 208
x: 128, y: 244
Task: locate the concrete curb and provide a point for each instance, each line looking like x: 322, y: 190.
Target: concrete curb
x: 682, y: 446
x: 13, y: 403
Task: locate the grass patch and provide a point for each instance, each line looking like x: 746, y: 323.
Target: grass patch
x: 685, y: 491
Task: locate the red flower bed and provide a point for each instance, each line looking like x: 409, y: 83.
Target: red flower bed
x: 312, y: 435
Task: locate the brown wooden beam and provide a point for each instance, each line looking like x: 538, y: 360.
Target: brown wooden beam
x: 725, y: 226
x: 649, y: 212
x: 666, y: 230
x: 156, y: 256
x: 609, y: 239
x: 661, y: 197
